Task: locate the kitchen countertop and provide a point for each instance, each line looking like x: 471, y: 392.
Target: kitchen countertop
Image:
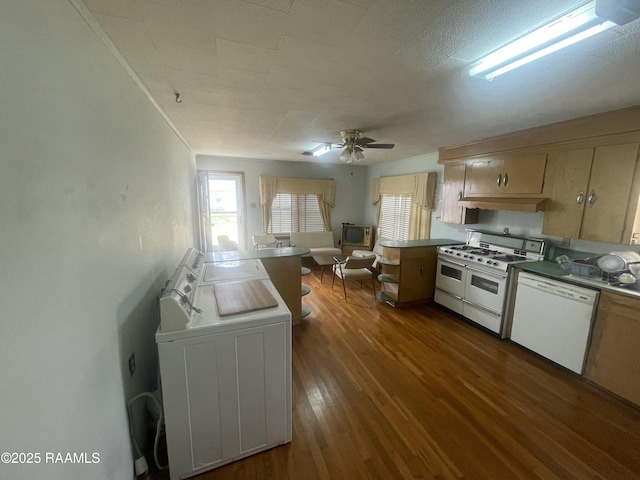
x: 552, y: 270
x: 429, y: 242
x: 251, y: 254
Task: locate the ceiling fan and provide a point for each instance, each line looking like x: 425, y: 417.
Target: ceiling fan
x: 353, y: 145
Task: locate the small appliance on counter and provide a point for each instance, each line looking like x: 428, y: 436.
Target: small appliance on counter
x: 620, y: 267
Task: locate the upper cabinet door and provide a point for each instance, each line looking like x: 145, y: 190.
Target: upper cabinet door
x: 453, y: 189
x: 500, y: 176
x: 588, y: 192
x: 565, y: 187
x: 608, y: 193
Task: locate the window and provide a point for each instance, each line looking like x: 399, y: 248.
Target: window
x: 221, y: 202
x: 295, y: 213
x: 395, y: 213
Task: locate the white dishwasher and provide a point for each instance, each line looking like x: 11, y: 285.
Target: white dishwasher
x: 554, y: 319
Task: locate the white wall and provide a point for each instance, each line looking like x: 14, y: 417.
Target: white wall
x: 351, y: 185
x: 95, y: 211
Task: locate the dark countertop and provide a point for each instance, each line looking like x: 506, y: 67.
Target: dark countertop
x: 552, y: 270
x: 429, y: 242
x: 252, y: 254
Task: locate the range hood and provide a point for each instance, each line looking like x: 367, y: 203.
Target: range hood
x: 518, y: 204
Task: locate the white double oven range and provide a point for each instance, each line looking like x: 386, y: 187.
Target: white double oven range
x: 473, y: 279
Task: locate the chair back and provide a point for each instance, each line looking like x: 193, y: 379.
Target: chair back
x: 377, y: 248
x: 264, y: 239
x: 267, y: 240
x: 226, y: 244
x: 353, y: 263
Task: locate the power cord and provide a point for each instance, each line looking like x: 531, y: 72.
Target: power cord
x: 140, y: 463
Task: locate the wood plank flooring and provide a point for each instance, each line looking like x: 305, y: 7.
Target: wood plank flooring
x: 415, y: 392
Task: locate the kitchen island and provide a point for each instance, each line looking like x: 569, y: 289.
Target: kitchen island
x: 284, y: 266
x: 408, y: 270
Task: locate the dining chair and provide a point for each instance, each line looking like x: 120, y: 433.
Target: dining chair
x: 266, y: 241
x: 353, y: 268
x: 226, y: 244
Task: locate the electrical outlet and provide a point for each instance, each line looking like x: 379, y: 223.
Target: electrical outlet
x: 132, y: 364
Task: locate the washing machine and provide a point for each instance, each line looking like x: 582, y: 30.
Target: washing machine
x: 224, y: 344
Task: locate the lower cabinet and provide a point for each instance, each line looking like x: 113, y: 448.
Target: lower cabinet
x: 407, y: 274
x: 613, y: 362
x: 226, y: 396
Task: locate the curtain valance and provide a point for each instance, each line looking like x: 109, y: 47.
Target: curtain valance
x: 422, y: 187
x: 270, y: 186
x: 325, y: 189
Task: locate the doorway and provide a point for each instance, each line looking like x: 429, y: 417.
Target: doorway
x: 221, y: 210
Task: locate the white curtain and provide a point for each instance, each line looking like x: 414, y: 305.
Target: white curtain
x: 267, y: 194
x: 421, y: 187
x: 204, y: 215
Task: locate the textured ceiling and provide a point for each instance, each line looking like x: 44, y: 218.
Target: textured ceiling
x: 269, y: 79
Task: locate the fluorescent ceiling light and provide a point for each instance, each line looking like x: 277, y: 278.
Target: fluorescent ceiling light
x: 576, y: 25
x: 321, y: 150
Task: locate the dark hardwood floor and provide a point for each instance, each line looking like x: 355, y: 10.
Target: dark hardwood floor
x: 415, y: 392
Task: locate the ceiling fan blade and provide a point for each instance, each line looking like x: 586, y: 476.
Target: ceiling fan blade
x: 380, y: 145
x: 364, y: 140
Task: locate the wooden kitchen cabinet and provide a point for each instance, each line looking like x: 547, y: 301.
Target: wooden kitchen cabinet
x: 453, y: 190
x: 496, y: 175
x: 407, y: 274
x: 612, y: 361
x: 589, y: 193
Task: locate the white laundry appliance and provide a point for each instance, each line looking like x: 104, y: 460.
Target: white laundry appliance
x: 233, y: 270
x: 224, y: 345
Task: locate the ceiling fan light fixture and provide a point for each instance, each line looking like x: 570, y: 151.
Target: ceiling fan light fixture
x: 352, y: 154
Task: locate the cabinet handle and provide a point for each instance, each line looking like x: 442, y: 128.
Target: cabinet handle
x: 459, y: 195
x: 499, y: 179
x: 592, y: 198
x: 506, y: 179
x: 580, y: 198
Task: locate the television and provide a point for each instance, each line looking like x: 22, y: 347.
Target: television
x: 356, y: 237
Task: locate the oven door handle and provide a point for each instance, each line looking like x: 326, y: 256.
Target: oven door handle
x: 445, y: 259
x: 487, y: 272
x: 482, y: 307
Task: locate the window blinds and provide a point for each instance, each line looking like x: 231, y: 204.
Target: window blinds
x: 395, y: 216
x: 295, y: 213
